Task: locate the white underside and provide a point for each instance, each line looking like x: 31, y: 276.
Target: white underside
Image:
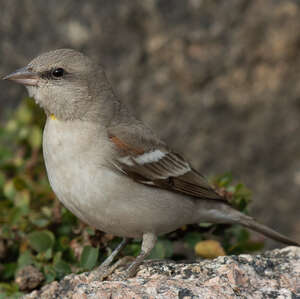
x: 77, y: 161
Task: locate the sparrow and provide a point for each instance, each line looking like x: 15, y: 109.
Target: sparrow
x: 110, y: 169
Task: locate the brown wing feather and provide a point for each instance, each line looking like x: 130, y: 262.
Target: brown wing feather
x: 180, y: 184
x: 124, y: 147
x: 170, y: 172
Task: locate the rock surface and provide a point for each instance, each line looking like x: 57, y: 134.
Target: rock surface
x: 274, y: 274
x: 219, y: 80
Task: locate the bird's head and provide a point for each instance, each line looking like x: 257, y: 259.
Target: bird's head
x: 66, y: 84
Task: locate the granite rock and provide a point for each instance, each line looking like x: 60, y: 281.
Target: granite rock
x: 273, y: 274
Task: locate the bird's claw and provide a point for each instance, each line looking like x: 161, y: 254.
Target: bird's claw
x: 103, y: 272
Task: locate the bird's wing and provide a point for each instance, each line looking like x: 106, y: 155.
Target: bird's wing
x: 147, y: 160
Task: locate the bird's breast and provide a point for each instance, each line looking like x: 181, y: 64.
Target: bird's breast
x: 76, y: 156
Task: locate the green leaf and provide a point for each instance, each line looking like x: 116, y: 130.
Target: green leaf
x: 35, y: 137
x: 89, y: 257
x: 205, y: 224
x: 9, y: 189
x: 192, y: 238
x: 90, y: 231
x: 24, y: 133
x: 50, y: 273
x: 9, y: 290
x: 16, y: 294
x: 163, y: 249
x: 243, y: 235
x: 246, y: 247
x: 24, y: 114
x: 225, y: 180
x: 132, y: 249
x: 40, y: 241
x: 61, y: 268
x: 48, y: 254
x: 2, y: 180
x: 15, y: 216
x: 64, y: 242
x: 25, y: 259
x: 6, y: 232
x: 11, y: 126
x: 9, y: 270
x: 22, y: 201
x: 40, y: 222
x: 19, y: 183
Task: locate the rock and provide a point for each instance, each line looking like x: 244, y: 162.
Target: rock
x: 273, y: 274
x: 29, y: 278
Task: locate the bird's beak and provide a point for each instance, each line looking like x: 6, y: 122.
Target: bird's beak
x: 23, y: 76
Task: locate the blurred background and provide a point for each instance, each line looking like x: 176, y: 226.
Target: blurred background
x: 218, y: 80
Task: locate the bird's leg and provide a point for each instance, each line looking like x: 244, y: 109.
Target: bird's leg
x: 115, y: 253
x: 149, y: 240
x: 104, y: 270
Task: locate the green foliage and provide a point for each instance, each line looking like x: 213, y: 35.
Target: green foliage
x: 89, y: 257
x: 36, y: 230
x: 163, y: 249
x: 41, y: 241
x: 192, y: 238
x: 238, y: 195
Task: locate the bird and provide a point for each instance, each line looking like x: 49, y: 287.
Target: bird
x: 109, y: 168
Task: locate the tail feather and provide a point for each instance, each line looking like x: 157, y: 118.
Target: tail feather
x: 258, y: 227
x: 215, y: 212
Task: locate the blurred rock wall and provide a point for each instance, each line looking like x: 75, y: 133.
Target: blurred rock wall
x: 219, y: 80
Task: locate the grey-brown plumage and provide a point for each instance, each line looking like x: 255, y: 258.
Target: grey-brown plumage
x: 107, y: 167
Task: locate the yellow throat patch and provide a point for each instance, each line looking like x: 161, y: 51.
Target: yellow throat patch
x: 52, y: 116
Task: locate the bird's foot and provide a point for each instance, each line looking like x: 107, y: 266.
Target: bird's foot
x: 103, y: 272
x: 126, y: 274
x: 130, y: 271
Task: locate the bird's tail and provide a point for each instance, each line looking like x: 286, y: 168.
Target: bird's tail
x: 215, y: 212
x: 249, y: 222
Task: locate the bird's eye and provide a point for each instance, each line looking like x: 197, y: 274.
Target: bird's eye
x: 59, y: 72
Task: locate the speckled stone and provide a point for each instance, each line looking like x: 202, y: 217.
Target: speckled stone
x: 273, y: 274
